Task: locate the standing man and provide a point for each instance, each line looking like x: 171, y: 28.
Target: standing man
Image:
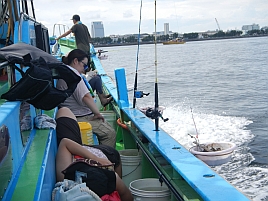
x: 82, y: 36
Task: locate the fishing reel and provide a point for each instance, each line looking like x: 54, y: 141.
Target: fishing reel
x: 140, y: 94
x: 99, y: 52
x: 154, y: 114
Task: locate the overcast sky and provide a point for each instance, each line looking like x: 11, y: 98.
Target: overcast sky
x: 184, y: 16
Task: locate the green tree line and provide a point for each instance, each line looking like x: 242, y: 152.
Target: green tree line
x: 151, y: 38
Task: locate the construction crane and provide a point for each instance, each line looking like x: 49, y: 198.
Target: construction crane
x: 218, y: 24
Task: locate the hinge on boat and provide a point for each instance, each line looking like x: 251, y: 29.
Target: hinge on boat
x: 140, y: 94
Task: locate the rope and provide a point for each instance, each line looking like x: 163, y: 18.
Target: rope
x: 66, y: 184
x: 132, y: 170
x: 90, y: 192
x: 54, y: 193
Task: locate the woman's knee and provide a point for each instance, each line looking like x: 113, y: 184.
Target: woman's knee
x: 65, y: 112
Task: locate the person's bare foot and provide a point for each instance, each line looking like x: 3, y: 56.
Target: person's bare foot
x: 106, y: 101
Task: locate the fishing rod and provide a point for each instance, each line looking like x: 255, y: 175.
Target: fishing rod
x: 155, y: 113
x: 152, y: 113
x: 138, y: 94
x: 155, y: 64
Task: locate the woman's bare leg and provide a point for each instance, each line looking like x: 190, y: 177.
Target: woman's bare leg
x: 63, y: 159
x: 118, y: 170
x: 103, y: 98
x: 123, y: 190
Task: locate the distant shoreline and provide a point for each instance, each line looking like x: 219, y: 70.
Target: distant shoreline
x: 191, y: 40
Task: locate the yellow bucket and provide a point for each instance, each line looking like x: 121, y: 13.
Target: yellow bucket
x: 86, y: 133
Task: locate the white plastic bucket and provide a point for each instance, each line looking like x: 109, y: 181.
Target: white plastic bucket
x: 110, y: 117
x: 149, y: 190
x: 131, y: 165
x: 215, y: 158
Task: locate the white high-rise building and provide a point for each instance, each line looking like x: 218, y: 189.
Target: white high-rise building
x: 97, y: 30
x: 166, y: 28
x: 246, y: 28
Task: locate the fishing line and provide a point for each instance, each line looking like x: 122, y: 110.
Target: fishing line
x: 137, y: 62
x: 196, y: 136
x: 194, y: 122
x: 140, y: 69
x: 176, y: 16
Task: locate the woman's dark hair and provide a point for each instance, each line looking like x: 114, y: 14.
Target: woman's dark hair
x: 76, y: 53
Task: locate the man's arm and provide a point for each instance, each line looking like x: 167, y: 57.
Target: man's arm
x: 65, y: 34
x: 89, y: 101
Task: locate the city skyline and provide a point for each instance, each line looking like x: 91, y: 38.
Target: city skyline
x: 166, y: 31
x: 122, y: 17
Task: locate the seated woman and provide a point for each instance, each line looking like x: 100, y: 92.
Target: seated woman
x: 81, y: 102
x: 67, y: 127
x: 69, y: 140
x: 95, y: 82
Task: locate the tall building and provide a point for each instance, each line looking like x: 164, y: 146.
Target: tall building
x: 97, y: 30
x: 166, y: 28
x: 246, y: 28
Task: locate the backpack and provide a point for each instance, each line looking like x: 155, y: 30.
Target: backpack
x: 101, y: 181
x: 37, y: 84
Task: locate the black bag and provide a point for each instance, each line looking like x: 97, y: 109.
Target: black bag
x: 37, y: 84
x: 99, y: 180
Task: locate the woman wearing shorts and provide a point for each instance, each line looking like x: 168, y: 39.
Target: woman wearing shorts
x: 101, y: 181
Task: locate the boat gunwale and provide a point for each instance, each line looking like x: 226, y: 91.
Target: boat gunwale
x: 186, y: 164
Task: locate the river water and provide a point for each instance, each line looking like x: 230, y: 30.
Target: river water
x: 221, y: 85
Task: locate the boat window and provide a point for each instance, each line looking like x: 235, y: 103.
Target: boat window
x: 28, y: 8
x: 25, y: 122
x: 4, y: 142
x: 3, y: 82
x: 5, y: 159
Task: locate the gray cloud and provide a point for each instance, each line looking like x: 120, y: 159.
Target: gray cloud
x: 122, y: 16
x: 127, y: 14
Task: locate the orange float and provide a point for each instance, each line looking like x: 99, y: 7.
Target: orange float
x: 121, y: 124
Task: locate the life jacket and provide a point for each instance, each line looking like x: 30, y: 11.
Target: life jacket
x: 37, y: 84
